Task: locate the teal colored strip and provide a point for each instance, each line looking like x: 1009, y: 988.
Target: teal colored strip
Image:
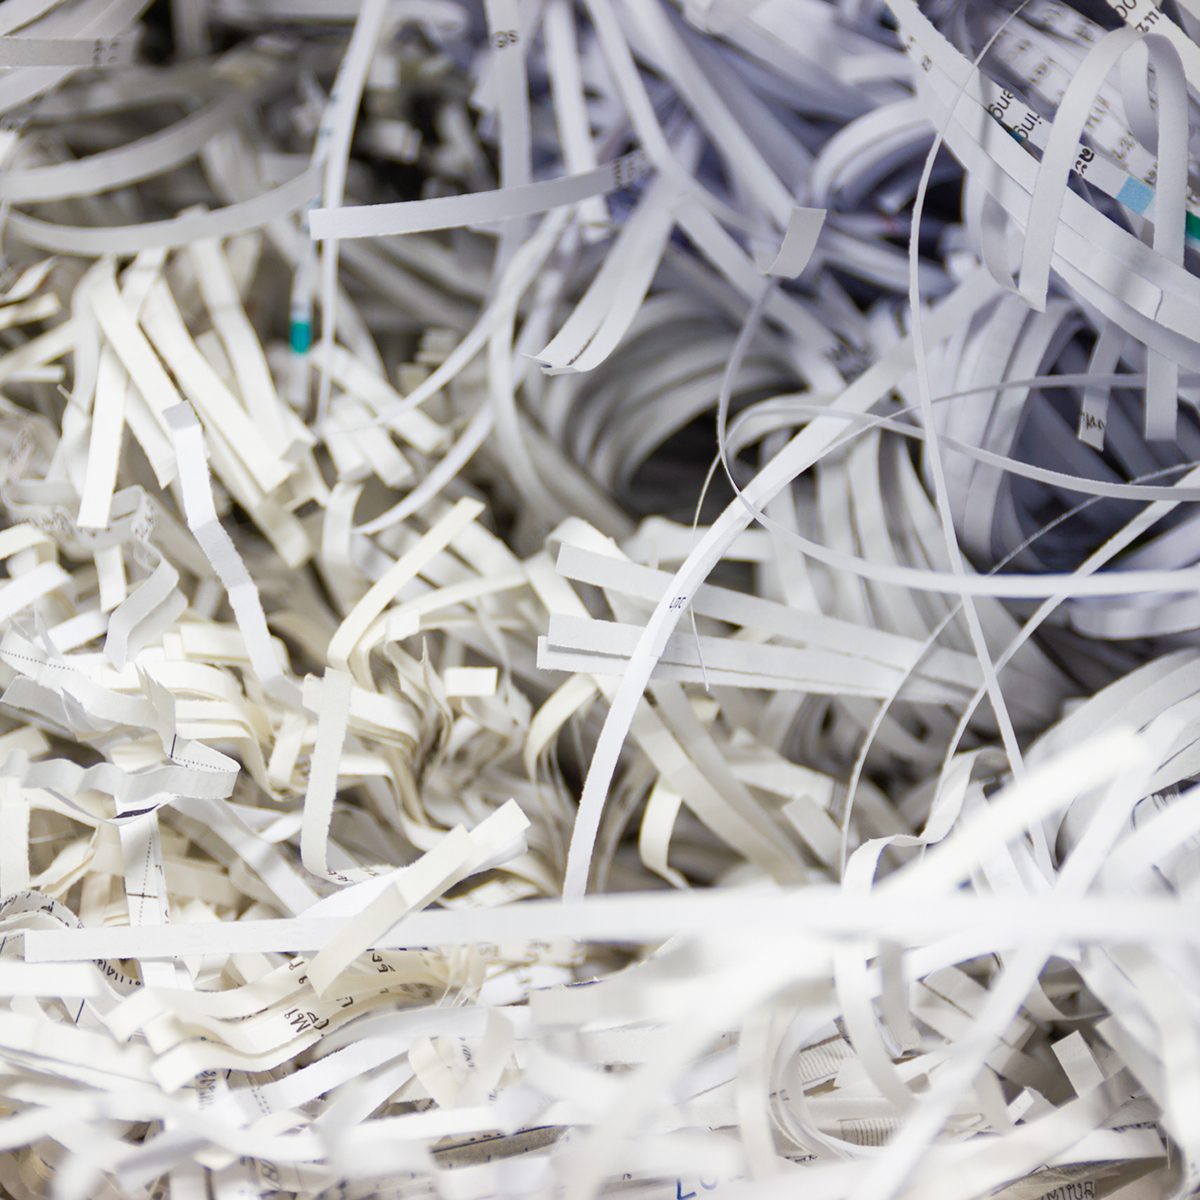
x: 1136, y: 195
x: 300, y: 336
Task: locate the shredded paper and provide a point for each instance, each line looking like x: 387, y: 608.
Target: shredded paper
x: 599, y: 598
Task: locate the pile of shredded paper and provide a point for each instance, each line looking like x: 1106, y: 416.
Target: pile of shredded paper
x: 599, y: 598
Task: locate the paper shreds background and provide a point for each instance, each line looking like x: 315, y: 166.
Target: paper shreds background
x: 600, y: 597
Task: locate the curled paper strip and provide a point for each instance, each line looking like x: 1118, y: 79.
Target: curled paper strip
x: 597, y: 597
